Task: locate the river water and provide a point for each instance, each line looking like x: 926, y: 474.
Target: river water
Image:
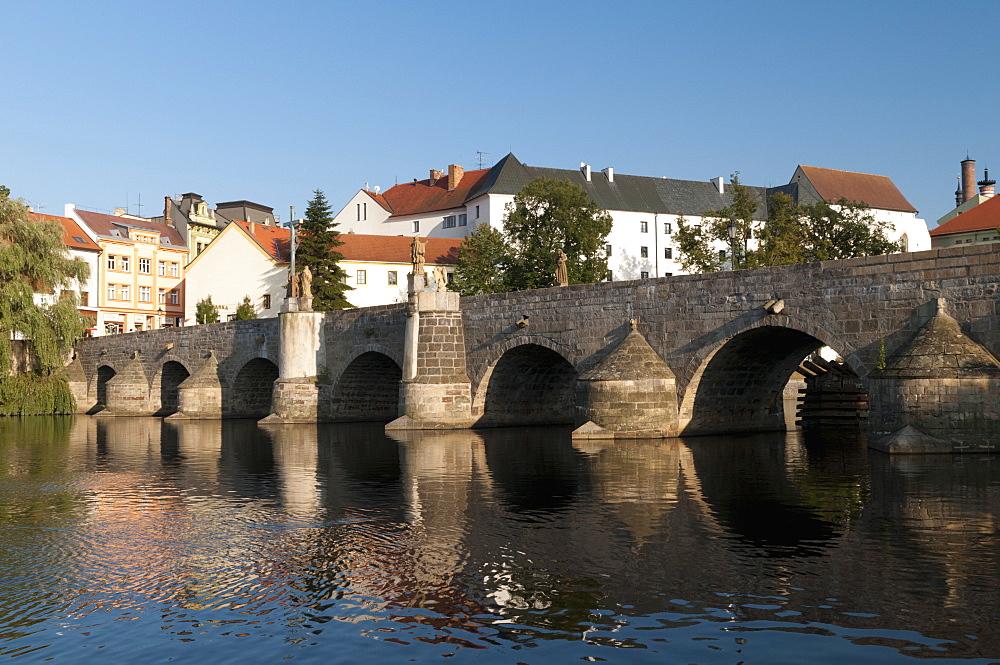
x: 132, y: 540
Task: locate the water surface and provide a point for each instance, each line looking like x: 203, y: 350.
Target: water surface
x: 135, y: 540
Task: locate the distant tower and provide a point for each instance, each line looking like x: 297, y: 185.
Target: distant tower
x: 958, y: 191
x: 968, y: 178
x: 986, y: 186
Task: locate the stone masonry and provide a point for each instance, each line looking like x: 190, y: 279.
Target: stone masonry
x: 517, y: 357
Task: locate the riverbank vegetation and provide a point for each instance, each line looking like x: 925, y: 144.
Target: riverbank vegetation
x: 34, y: 260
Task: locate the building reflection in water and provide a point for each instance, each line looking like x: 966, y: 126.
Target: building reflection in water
x: 459, y: 536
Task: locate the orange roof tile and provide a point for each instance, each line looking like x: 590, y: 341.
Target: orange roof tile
x: 877, y: 191
x: 73, y: 235
x: 420, y: 196
x: 272, y: 239
x: 396, y: 249
x: 983, y: 217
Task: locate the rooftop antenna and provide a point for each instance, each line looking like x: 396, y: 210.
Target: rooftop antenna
x: 479, y: 155
x: 139, y: 205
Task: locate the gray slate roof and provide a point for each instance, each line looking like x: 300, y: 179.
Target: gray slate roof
x: 627, y: 192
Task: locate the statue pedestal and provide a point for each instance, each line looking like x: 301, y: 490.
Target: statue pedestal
x: 296, y: 305
x: 416, y: 282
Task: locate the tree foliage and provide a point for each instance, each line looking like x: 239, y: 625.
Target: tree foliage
x: 205, y: 312
x: 317, y: 248
x: 245, y: 310
x: 791, y: 233
x: 481, y: 263
x: 547, y: 215
x: 34, y: 259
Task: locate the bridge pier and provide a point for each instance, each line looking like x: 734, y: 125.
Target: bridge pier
x: 939, y: 393
x: 296, y: 395
x: 435, y: 392
x: 630, y: 393
x: 128, y: 391
x: 199, y: 397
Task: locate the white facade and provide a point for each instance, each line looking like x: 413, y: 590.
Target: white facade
x: 230, y: 268
x: 380, y: 283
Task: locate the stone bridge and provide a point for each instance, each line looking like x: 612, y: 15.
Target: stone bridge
x: 687, y: 355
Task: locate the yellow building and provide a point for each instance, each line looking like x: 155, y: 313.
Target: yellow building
x: 141, y: 272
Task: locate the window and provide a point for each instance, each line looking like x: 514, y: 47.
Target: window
x: 463, y: 220
x: 449, y: 277
x: 668, y: 274
x: 607, y: 250
x: 644, y: 252
x: 112, y: 291
x: 266, y: 304
x: 111, y: 261
x: 722, y: 253
x: 144, y: 266
x: 162, y: 268
x: 668, y: 252
x: 144, y: 293
x: 175, y: 297
x: 393, y: 278
x: 416, y: 226
x: 123, y: 291
x: 124, y: 263
x: 449, y: 222
x: 643, y: 227
x: 362, y: 277
x: 477, y: 212
x: 161, y: 296
x: 84, y: 298
x: 609, y: 276
x: 644, y: 275
x: 201, y: 247
x: 173, y: 270
x: 668, y: 228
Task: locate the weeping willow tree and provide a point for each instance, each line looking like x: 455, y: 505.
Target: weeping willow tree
x: 33, y: 259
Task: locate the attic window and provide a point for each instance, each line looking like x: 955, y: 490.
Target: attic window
x: 82, y: 241
x: 116, y: 233
x: 164, y: 240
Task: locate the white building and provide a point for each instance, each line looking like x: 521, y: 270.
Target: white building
x: 377, y: 266
x: 245, y: 259
x: 644, y: 209
x: 82, y: 244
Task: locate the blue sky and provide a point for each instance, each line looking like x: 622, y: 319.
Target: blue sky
x: 105, y: 101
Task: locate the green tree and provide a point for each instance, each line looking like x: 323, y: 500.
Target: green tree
x: 481, y: 263
x: 204, y: 311
x: 792, y: 233
x: 245, y: 310
x: 317, y: 248
x: 34, y: 259
x: 549, y: 214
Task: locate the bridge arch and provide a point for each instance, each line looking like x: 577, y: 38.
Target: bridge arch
x: 98, y: 389
x: 737, y: 384
x: 531, y: 382
x: 164, y: 391
x: 367, y: 389
x: 251, y: 389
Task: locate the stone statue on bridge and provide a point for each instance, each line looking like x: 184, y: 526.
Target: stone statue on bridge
x: 441, y: 278
x: 417, y: 250
x: 301, y: 289
x: 562, y: 274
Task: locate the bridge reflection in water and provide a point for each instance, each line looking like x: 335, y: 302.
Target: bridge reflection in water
x: 491, y: 539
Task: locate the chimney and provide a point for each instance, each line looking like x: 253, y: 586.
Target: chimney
x: 435, y: 176
x: 986, y: 186
x: 253, y: 229
x: 610, y: 173
x: 585, y: 169
x: 719, y: 185
x: 455, y: 173
x: 968, y: 179
x: 120, y: 212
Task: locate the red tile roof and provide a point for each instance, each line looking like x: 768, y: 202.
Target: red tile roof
x: 396, y: 249
x: 73, y: 236
x: 420, y: 196
x: 982, y: 217
x: 103, y: 225
x: 877, y: 191
x: 273, y: 239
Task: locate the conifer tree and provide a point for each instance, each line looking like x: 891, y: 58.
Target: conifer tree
x: 205, y: 311
x: 317, y: 248
x: 481, y: 261
x: 245, y: 310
